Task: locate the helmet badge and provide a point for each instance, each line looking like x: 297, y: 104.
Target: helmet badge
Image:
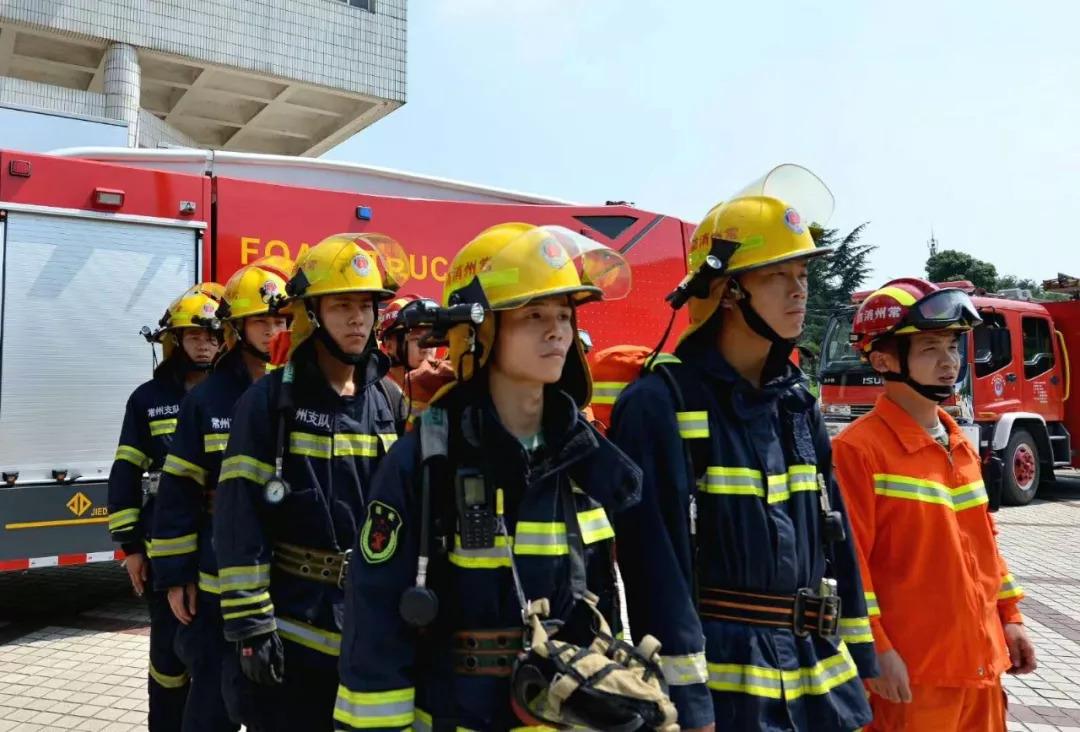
x: 361, y: 265
x: 269, y: 291
x: 553, y: 254
x: 793, y: 221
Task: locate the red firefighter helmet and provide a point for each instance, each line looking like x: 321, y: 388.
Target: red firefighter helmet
x: 910, y: 305
x: 389, y: 318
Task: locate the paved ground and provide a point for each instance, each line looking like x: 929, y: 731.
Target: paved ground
x: 73, y: 640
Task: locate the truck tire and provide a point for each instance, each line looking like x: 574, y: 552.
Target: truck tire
x: 1022, y: 469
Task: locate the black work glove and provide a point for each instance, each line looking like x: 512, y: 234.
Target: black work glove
x: 262, y: 659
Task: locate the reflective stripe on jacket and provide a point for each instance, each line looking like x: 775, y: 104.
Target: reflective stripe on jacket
x: 147, y: 432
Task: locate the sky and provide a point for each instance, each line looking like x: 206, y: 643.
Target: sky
x: 961, y: 118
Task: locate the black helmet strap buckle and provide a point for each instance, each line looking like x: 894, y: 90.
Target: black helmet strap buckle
x: 698, y: 283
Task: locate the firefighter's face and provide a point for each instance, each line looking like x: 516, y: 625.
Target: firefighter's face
x: 415, y: 353
x: 933, y: 358
x: 779, y: 295
x: 531, y: 342
x: 200, y: 344
x: 259, y: 330
x: 348, y: 318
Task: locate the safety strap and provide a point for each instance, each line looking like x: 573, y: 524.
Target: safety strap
x: 327, y: 567
x: 434, y: 451
x: 395, y: 397
x: 574, y: 540
x: 803, y: 613
x: 692, y: 467
x: 486, y: 652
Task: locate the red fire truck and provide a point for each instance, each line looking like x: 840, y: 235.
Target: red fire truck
x: 1013, y: 398
x: 95, y: 242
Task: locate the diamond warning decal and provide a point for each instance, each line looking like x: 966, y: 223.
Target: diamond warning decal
x: 79, y: 504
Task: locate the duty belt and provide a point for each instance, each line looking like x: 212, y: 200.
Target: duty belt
x: 804, y: 612
x: 486, y: 652
x: 312, y: 564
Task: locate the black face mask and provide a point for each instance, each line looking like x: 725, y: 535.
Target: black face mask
x: 937, y: 393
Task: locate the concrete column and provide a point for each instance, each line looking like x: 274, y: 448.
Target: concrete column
x: 123, y: 78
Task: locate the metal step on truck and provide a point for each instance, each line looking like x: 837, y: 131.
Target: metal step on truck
x: 95, y: 242
x: 1014, y: 397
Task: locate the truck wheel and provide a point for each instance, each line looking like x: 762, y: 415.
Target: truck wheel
x: 1022, y: 471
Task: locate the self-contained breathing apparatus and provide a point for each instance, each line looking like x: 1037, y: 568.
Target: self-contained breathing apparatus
x: 608, y: 685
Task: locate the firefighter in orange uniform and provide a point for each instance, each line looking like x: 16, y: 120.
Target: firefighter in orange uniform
x: 943, y: 606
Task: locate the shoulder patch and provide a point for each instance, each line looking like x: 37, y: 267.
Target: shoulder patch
x: 379, y: 537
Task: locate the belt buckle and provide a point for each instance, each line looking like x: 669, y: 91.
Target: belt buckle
x: 343, y: 572
x: 798, y: 612
x: 830, y: 606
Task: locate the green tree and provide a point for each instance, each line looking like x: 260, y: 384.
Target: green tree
x: 950, y: 264
x: 833, y: 280
x: 1008, y: 282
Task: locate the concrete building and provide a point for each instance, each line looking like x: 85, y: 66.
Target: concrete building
x: 292, y: 77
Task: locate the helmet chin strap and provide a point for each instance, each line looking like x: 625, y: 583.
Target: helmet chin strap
x: 186, y: 363
x: 245, y: 344
x: 400, y: 355
x: 780, y: 348
x: 937, y: 393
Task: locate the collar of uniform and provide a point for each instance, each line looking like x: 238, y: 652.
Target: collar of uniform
x: 910, y: 433
x: 232, y: 363
x: 308, y: 374
x: 598, y: 467
x: 171, y: 377
x: 746, y: 399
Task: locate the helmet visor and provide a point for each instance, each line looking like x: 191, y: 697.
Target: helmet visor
x: 797, y: 187
x: 553, y: 260
x: 943, y: 309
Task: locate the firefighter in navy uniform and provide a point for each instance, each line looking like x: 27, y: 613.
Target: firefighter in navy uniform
x: 304, y: 442
x: 739, y: 488
x: 183, y: 555
x: 189, y: 343
x: 442, y: 645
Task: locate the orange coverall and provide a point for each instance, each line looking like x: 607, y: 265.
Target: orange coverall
x: 937, y: 588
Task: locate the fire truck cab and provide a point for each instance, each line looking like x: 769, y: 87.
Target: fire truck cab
x: 1013, y: 397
